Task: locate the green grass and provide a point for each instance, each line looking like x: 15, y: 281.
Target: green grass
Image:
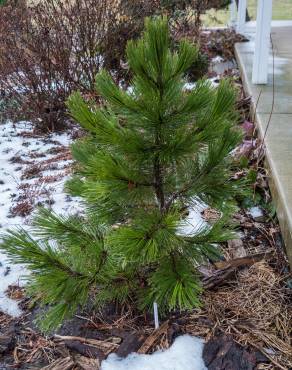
x: 282, y: 9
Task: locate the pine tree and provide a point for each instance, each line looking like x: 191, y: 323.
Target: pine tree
x: 150, y: 156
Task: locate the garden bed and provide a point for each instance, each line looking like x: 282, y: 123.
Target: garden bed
x: 246, y: 315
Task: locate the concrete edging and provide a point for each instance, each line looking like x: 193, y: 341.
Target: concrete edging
x: 284, y: 212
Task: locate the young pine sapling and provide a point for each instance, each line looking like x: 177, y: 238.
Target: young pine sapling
x: 150, y: 156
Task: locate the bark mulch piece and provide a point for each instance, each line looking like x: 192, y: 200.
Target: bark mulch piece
x: 223, y: 353
x: 132, y: 343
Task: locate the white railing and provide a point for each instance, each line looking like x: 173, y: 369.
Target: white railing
x: 262, y: 38
x: 241, y: 16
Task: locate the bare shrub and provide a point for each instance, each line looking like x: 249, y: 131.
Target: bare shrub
x: 49, y: 49
x: 186, y: 14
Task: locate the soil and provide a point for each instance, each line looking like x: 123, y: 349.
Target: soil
x: 25, y: 348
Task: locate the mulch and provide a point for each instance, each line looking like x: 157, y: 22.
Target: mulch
x: 246, y: 317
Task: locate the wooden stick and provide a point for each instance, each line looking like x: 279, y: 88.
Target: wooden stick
x: 60, y: 364
x: 243, y: 261
x: 93, y: 342
x: 149, y: 342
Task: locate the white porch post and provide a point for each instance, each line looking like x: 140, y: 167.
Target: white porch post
x: 232, y: 13
x: 262, y: 42
x: 241, y: 16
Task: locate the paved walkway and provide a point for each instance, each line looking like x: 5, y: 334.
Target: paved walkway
x: 279, y: 134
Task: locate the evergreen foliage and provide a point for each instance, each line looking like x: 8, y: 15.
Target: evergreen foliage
x: 151, y: 155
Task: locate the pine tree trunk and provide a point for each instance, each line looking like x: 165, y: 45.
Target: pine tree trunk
x: 158, y: 176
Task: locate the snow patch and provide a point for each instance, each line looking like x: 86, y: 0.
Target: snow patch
x: 184, y: 354
x: 217, y: 59
x: 18, y: 152
x: 188, y: 86
x: 256, y: 213
x: 194, y: 222
x: 9, y: 275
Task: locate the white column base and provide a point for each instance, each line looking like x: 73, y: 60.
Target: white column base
x: 262, y: 42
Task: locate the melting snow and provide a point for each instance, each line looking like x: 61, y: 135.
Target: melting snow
x: 256, y: 213
x: 217, y: 59
x: 194, y: 222
x: 184, y: 354
x: 21, y: 152
x: 188, y: 86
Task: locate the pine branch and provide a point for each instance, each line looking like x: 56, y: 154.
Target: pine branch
x: 48, y: 225
x: 22, y: 249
